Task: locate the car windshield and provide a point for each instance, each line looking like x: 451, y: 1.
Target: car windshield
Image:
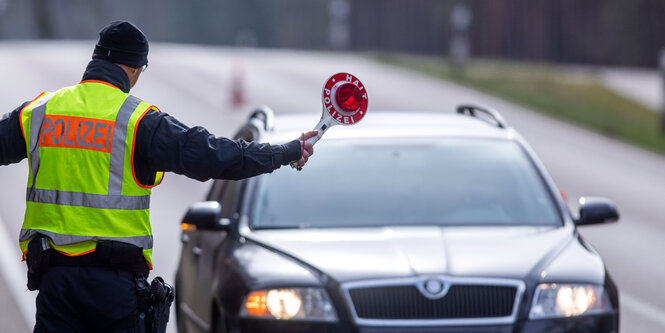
x: 456, y: 182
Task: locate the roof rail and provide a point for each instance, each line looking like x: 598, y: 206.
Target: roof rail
x: 259, y: 123
x: 495, y: 116
x: 263, y: 118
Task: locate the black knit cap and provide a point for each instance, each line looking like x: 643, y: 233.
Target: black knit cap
x: 123, y: 43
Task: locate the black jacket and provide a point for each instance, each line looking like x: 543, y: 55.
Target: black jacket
x: 165, y: 144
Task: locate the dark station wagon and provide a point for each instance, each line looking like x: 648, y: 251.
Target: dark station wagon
x: 405, y: 222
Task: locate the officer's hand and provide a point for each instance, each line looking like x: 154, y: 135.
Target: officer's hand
x: 307, y: 148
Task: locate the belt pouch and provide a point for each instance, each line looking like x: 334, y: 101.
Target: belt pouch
x: 37, y: 259
x: 118, y: 255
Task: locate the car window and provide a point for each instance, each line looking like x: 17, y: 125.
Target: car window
x: 445, y: 182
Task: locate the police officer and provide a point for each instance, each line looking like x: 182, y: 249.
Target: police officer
x: 94, y: 153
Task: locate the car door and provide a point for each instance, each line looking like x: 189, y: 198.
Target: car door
x: 201, y: 248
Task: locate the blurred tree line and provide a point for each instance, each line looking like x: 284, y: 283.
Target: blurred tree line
x: 603, y: 32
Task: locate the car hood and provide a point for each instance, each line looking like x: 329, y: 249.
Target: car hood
x: 371, y: 253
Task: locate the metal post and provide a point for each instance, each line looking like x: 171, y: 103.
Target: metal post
x: 662, y: 96
x: 460, y: 19
x: 339, y: 29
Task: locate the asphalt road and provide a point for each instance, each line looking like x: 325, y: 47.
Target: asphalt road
x: 194, y: 84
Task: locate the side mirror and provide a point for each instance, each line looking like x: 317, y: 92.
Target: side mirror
x: 205, y: 215
x: 596, y: 210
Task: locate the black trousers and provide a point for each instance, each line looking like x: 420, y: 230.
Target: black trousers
x: 86, y: 299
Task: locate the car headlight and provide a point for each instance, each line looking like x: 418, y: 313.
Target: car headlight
x: 566, y: 300
x: 289, y: 304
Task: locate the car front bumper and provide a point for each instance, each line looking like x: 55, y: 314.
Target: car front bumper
x: 606, y: 323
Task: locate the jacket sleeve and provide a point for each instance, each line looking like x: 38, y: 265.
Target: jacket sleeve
x: 165, y: 144
x: 12, y: 143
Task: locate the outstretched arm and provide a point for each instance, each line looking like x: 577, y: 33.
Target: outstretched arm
x: 165, y: 144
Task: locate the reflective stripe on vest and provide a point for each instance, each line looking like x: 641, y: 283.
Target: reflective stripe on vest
x: 79, y: 136
x: 35, y: 129
x: 58, y: 239
x: 88, y: 199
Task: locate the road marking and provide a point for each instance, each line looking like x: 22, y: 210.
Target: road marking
x: 14, y: 273
x: 642, y: 309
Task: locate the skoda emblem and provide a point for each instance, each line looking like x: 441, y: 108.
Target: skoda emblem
x: 433, y: 288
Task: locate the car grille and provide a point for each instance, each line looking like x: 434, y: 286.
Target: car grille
x: 406, y: 302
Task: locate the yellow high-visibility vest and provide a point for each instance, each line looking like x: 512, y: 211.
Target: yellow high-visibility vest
x: 82, y: 187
